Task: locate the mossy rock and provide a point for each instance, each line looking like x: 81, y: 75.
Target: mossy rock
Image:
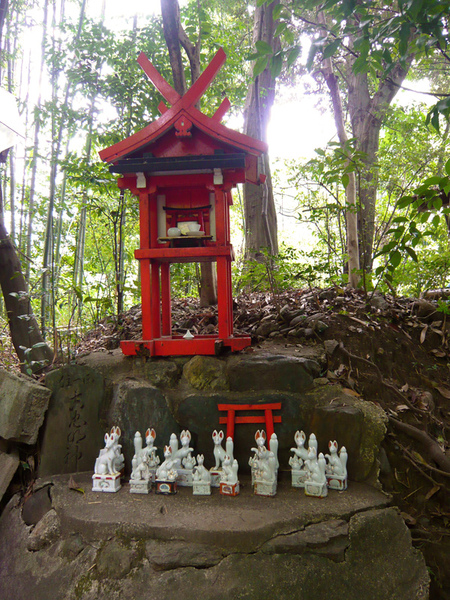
x: 206, y: 373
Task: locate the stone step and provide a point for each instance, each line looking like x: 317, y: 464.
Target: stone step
x: 349, y: 545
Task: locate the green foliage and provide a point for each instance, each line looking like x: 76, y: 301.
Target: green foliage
x: 291, y: 268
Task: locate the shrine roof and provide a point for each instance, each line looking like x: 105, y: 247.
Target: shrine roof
x: 184, y: 117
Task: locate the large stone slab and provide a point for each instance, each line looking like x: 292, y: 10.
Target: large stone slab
x: 113, y: 366
x: 271, y: 372
x: 347, y: 546
x: 358, y: 425
x: 73, y: 433
x: 23, y: 403
x: 136, y: 406
x: 8, y: 466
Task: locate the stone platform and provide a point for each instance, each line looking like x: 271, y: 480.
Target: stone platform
x: 350, y: 545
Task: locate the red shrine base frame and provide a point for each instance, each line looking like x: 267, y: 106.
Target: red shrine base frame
x: 172, y: 346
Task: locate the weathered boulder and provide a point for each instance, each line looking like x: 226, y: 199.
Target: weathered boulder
x: 166, y: 555
x: 358, y: 425
x: 73, y: 432
x: 8, y: 466
x: 137, y: 405
x: 271, y: 372
x: 36, y: 505
x: 23, y: 403
x: 115, y: 559
x: 45, y: 533
x: 206, y: 373
x: 349, y: 545
x: 113, y: 365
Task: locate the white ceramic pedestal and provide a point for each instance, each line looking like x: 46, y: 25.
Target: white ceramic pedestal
x: 140, y: 486
x: 229, y: 489
x: 318, y: 490
x: 298, y: 478
x: 201, y: 488
x: 337, y: 482
x: 106, y: 483
x: 166, y: 487
x: 265, y: 488
x: 215, y: 477
x: 185, y: 477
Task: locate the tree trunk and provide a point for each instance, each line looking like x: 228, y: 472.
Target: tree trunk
x: 259, y: 206
x: 31, y: 349
x: 176, y: 37
x: 350, y: 189
x: 366, y: 115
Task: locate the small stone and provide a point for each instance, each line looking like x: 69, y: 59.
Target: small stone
x: 423, y: 308
x: 37, y: 505
x: 296, y: 320
x: 72, y: 546
x: 23, y: 403
x: 320, y: 326
x: 330, y: 346
x: 266, y: 328
x: 377, y: 301
x: 321, y: 381
x: 45, y: 533
x: 309, y: 332
x: 312, y: 319
x: 327, y: 294
x: 114, y: 561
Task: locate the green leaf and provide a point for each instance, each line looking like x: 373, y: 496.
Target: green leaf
x: 263, y: 47
x: 281, y: 28
x: 278, y: 9
x: 311, y: 56
x: 447, y: 167
x: 345, y: 179
x: 331, y: 48
x: 276, y: 65
x: 405, y: 32
x: 292, y: 56
x: 260, y: 65
x: 405, y: 201
x: 395, y: 258
x: 431, y: 181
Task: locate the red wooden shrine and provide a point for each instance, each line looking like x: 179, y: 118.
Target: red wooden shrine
x: 183, y: 167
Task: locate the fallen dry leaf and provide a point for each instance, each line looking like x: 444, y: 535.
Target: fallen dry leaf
x: 445, y: 392
x: 432, y: 492
x: 423, y: 334
x: 350, y: 392
x: 73, y: 485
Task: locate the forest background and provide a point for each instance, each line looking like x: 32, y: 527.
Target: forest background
x: 371, y: 207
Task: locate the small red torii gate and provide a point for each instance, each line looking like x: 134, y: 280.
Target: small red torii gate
x: 183, y: 167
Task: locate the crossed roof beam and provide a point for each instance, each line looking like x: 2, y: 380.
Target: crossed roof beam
x: 194, y: 93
